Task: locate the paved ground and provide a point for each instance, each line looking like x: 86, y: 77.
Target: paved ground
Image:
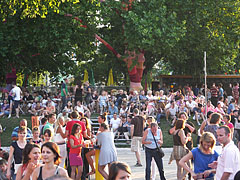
x: 138, y: 173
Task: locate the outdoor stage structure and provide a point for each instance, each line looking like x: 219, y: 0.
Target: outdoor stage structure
x: 181, y: 80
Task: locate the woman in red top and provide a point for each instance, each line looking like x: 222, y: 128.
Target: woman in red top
x: 76, y: 144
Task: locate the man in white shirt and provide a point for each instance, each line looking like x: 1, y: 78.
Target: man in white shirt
x: 191, y: 104
x: 228, y: 163
x: 115, y: 123
x: 171, y: 111
x: 80, y: 108
x: 16, y: 94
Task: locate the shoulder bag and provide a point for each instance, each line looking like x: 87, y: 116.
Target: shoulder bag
x: 159, y: 149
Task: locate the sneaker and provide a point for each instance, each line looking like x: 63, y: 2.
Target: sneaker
x: 9, y: 116
x: 138, y: 165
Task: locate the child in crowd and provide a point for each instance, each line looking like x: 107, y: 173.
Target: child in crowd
x: 36, y: 139
x: 3, y: 169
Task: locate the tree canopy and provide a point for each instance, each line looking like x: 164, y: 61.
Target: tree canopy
x: 55, y: 36
x: 47, y: 44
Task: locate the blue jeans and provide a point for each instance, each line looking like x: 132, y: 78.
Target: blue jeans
x: 13, y: 175
x: 152, y: 153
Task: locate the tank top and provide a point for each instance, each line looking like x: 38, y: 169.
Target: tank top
x: 177, y: 140
x: 102, y: 100
x: 150, y: 138
x: 57, y: 138
x: 17, y: 154
x: 40, y: 173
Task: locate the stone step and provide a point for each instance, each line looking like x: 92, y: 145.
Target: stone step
x: 121, y: 142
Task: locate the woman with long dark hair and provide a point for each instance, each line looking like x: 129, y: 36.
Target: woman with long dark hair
x: 47, y: 136
x: 76, y: 144
x: 31, y: 156
x: 119, y: 170
x: 51, y: 159
x: 179, y: 147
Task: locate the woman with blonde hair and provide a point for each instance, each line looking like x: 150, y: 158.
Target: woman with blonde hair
x: 60, y: 138
x: 202, y: 156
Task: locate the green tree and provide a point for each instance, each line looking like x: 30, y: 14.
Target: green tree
x: 211, y: 26
x: 48, y: 44
x: 146, y: 28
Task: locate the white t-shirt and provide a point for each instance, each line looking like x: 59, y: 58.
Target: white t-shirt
x: 228, y: 161
x: 192, y: 104
x: 17, y: 91
x: 173, y: 111
x: 222, y: 103
x: 80, y: 109
x: 115, y: 123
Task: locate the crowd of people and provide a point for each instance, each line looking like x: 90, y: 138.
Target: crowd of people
x: 65, y: 132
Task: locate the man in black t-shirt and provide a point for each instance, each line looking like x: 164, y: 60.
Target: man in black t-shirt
x: 120, y: 96
x: 27, y: 101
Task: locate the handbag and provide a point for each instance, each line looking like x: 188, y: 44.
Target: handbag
x: 159, y: 149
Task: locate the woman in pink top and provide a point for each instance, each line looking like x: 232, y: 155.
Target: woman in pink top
x: 76, y: 144
x: 219, y: 109
x: 210, y: 107
x: 226, y: 120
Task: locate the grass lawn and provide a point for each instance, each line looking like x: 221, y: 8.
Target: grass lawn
x: 11, y: 123
x: 168, y: 139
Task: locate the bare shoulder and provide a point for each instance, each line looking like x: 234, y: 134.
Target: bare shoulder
x: 62, y: 171
x: 35, y: 173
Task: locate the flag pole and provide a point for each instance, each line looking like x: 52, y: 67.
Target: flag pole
x: 205, y: 78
